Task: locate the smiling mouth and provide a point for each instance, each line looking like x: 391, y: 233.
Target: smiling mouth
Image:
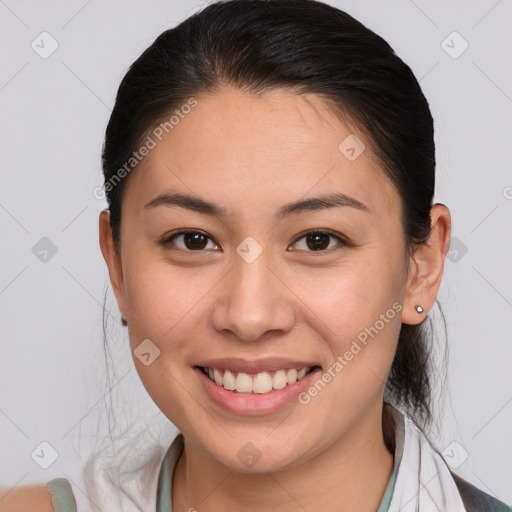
x: 262, y: 382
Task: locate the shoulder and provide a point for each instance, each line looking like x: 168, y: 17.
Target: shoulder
x: 476, y: 500
x: 55, y: 496
x: 31, y: 497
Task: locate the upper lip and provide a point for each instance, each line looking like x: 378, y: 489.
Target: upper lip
x: 269, y: 364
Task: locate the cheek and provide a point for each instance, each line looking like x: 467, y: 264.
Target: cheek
x: 162, y: 297
x: 165, y: 308
x: 356, y: 308
x: 350, y: 295
x: 358, y: 317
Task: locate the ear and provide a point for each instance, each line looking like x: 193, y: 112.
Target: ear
x: 112, y: 259
x: 426, y: 267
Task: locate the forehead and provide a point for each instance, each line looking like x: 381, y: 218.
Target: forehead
x: 245, y: 148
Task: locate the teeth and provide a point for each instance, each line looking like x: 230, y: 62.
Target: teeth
x: 243, y: 383
x: 260, y: 383
x: 291, y: 376
x: 229, y: 381
x: 279, y: 379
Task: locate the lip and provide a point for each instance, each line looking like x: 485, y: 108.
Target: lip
x: 254, y: 366
x: 254, y: 404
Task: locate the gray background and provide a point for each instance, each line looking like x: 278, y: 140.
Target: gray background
x: 53, y: 113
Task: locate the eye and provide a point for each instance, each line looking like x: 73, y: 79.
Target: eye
x: 318, y: 240
x: 193, y: 241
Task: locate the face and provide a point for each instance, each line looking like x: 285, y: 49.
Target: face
x: 251, y: 290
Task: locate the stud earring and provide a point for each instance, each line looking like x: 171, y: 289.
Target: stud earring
x: 123, y: 320
x: 419, y: 309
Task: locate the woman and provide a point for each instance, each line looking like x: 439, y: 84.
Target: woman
x: 274, y: 249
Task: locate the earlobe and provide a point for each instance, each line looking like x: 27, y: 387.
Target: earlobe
x: 112, y: 258
x: 426, y: 268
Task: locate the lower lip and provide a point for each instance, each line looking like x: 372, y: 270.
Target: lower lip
x: 253, y: 404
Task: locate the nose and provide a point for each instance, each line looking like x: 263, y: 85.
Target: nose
x: 254, y: 301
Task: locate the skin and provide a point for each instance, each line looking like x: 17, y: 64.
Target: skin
x: 251, y: 155
x: 27, y: 497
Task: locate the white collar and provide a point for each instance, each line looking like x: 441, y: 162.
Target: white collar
x: 424, y: 482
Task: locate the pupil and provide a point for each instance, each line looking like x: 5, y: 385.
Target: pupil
x: 193, y: 239
x: 315, y: 238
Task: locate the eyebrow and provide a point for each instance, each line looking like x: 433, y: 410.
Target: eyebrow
x: 197, y: 204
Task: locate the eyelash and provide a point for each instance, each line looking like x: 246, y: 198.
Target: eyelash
x: 166, y: 242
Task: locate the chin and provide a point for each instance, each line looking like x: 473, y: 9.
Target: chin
x: 253, y: 457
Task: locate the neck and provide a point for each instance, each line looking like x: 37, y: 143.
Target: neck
x: 351, y: 475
